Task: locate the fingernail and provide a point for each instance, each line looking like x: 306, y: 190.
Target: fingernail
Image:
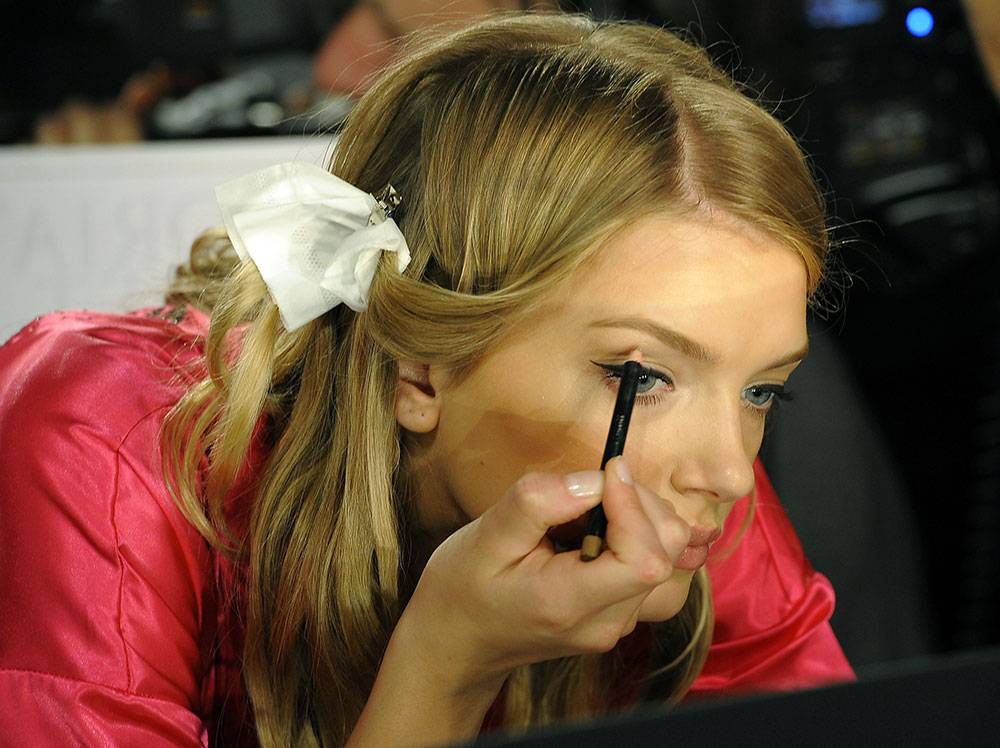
x: 585, y: 483
x: 621, y: 468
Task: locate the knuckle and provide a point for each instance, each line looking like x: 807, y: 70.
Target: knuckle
x: 553, y: 618
x: 654, y: 569
x: 675, y: 534
x: 530, y: 492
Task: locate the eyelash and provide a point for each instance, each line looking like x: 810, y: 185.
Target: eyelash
x: 778, y: 395
x: 614, y: 372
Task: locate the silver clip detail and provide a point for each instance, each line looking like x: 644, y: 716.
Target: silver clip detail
x: 388, y: 200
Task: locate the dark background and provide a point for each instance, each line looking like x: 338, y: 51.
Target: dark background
x: 903, y: 133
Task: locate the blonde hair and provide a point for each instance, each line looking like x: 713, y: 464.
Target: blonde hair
x: 519, y: 145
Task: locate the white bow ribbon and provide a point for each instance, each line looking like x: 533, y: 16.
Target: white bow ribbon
x: 315, y: 238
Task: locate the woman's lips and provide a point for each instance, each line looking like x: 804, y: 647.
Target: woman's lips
x: 696, y: 554
x: 704, y: 535
x: 692, y: 558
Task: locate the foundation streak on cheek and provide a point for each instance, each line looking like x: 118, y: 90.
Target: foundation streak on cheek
x: 502, y: 446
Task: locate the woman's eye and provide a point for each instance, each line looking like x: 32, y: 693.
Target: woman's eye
x: 646, y: 382
x: 761, y: 395
x: 649, y: 379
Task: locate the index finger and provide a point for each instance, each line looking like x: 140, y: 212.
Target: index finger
x: 632, y: 535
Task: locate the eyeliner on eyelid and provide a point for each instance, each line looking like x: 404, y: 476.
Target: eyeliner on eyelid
x: 646, y: 374
x: 776, y: 393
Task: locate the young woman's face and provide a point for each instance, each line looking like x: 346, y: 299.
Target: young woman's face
x: 716, y: 311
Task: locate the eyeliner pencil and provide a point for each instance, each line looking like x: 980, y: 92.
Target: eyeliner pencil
x: 597, y: 523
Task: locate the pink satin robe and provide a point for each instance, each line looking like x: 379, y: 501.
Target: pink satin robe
x: 119, y: 626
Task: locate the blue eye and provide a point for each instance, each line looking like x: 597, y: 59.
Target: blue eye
x: 648, y: 379
x: 761, y: 396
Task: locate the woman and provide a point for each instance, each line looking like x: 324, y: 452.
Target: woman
x: 387, y: 484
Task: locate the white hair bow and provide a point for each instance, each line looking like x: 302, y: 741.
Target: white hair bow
x: 315, y: 238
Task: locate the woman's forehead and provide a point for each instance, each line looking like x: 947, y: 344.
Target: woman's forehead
x: 687, y: 256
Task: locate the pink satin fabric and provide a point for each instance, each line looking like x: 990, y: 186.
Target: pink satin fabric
x: 772, y: 610
x: 118, y: 625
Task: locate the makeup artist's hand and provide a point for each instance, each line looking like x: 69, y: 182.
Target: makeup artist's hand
x: 506, y: 598
x: 495, y: 595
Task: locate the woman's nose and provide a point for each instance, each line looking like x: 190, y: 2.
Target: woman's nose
x: 716, y: 460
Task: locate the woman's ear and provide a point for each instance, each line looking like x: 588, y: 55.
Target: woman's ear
x: 417, y: 404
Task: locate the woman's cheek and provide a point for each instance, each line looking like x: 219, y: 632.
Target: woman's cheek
x: 650, y: 451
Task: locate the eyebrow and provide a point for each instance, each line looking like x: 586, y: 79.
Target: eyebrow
x: 690, y: 348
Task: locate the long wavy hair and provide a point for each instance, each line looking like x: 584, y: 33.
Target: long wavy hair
x: 519, y: 145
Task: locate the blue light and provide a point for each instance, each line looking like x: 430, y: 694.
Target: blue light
x: 919, y: 21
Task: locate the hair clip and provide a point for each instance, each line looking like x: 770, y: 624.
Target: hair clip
x: 315, y: 239
x: 388, y: 200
